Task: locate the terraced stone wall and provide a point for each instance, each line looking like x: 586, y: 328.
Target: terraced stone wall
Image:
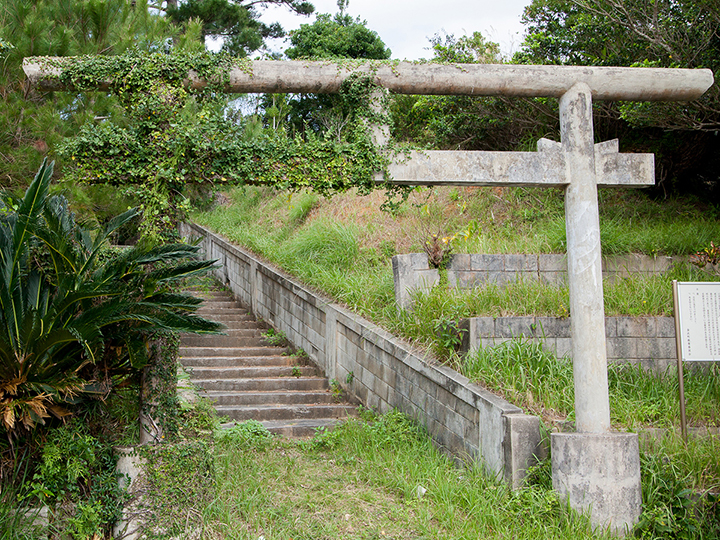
x: 412, y: 270
x: 648, y: 341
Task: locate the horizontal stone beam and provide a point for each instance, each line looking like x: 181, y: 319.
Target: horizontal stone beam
x: 545, y: 168
x: 606, y: 83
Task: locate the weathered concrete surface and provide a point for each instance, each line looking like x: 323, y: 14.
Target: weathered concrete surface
x: 382, y: 371
x: 545, y: 168
x: 412, y: 273
x: 466, y: 271
x: 523, y: 446
x: 599, y: 473
x: 645, y: 341
x: 130, y: 468
x: 605, y: 83
x: 584, y: 259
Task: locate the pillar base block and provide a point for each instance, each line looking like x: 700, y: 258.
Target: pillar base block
x: 599, y: 474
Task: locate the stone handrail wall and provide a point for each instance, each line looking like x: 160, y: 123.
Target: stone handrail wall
x: 647, y: 341
x: 382, y: 371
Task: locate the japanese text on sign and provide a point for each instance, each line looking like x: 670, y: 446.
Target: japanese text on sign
x: 699, y: 313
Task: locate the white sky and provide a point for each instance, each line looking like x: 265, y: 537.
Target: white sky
x: 406, y: 25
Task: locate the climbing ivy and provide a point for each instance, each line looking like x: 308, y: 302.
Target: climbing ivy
x: 175, y: 136
x: 159, y: 385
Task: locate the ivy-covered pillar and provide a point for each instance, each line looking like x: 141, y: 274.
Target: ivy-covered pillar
x: 158, y: 390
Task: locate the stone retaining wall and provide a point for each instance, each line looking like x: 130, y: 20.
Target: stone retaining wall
x: 412, y: 271
x: 648, y: 341
x: 381, y: 370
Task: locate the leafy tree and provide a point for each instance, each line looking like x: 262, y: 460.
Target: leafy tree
x: 70, y: 312
x: 659, y: 33
x: 335, y: 38
x: 234, y: 21
x: 474, y: 49
x: 340, y: 36
x: 466, y: 122
x: 32, y: 123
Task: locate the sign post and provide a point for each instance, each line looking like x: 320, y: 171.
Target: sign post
x: 697, y: 329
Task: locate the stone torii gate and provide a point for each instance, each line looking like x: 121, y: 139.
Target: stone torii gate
x: 594, y: 468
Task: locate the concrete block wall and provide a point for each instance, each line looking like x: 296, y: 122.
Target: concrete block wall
x: 648, y: 341
x: 465, y: 271
x: 381, y: 370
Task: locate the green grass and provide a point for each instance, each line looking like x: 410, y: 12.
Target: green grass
x: 347, y: 258
x: 680, y: 488
x: 537, y: 380
x: 372, y: 480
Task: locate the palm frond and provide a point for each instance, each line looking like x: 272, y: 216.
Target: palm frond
x: 30, y: 208
x: 184, y: 270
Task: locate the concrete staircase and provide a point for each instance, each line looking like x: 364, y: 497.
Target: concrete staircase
x: 251, y: 379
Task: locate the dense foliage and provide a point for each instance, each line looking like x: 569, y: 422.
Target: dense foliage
x: 235, y: 22
x: 72, y: 313
x: 471, y: 123
x: 32, y: 123
x: 660, y: 33
x: 177, y: 138
x: 340, y: 36
x: 329, y: 37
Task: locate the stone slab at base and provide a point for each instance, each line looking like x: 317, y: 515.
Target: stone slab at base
x: 599, y: 473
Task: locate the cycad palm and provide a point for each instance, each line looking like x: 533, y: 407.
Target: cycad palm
x: 63, y: 310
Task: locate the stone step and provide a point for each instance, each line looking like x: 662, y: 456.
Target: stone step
x: 271, y: 398
x: 248, y: 378
x: 222, y: 341
x: 229, y: 317
x: 221, y: 315
x: 285, y: 412
x: 235, y: 352
x: 210, y: 296
x: 231, y: 361
x: 248, y: 372
x: 295, y: 428
x: 300, y: 428
x: 222, y: 303
x: 231, y: 332
x: 263, y: 384
x: 211, y: 310
x: 241, y: 325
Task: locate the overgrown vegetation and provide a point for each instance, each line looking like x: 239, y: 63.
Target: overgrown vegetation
x: 72, y: 313
x: 679, y: 486
x: 175, y: 138
x: 81, y: 323
x: 537, y: 380
x: 89, y: 314
x: 376, y: 479
x: 343, y: 246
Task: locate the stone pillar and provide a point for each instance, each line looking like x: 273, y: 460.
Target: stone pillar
x: 594, y: 470
x: 379, y: 133
x: 584, y: 260
x: 599, y: 473
x: 412, y: 272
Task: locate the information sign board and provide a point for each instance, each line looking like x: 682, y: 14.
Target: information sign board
x: 698, y: 305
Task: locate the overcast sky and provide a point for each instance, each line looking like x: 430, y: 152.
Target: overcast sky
x: 406, y: 25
